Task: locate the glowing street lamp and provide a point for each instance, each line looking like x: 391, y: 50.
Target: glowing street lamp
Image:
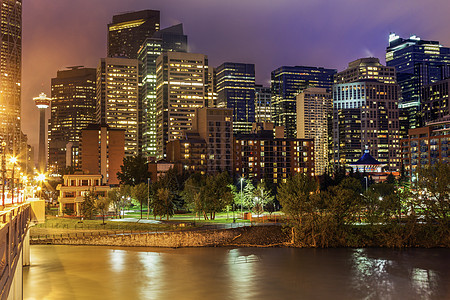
x: 41, y: 179
x: 242, y: 199
x: 12, y: 160
x: 3, y: 172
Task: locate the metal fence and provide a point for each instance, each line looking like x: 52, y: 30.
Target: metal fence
x: 14, y: 226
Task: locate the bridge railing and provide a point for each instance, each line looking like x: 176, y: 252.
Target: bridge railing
x: 13, y: 228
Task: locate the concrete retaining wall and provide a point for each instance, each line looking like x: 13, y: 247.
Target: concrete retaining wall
x: 167, y: 239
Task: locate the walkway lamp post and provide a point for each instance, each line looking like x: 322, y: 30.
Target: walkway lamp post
x: 242, y: 199
x: 40, y: 178
x: 148, y: 197
x: 3, y: 172
x: 13, y: 160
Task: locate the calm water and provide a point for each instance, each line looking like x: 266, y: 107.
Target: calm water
x: 83, y: 272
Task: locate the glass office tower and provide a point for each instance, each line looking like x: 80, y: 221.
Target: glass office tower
x: 286, y: 83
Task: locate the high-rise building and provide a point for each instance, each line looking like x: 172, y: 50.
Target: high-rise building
x: 117, y: 98
x: 212, y: 88
x: 266, y: 154
x: 418, y: 63
x: 169, y: 40
x: 181, y: 87
x: 102, y: 151
x: 73, y: 108
x: 215, y: 126
x: 286, y: 83
x: 366, y: 68
x: 128, y: 31
x: 365, y: 113
x: 314, y: 114
x: 425, y: 146
x: 435, y: 102
x: 10, y: 75
x: 236, y: 90
x: 263, y: 104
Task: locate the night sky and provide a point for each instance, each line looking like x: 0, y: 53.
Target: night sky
x: 268, y: 33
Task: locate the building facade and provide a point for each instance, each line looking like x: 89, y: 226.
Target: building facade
x: 73, y: 108
x: 314, y: 115
x: 365, y: 113
x: 171, y: 39
x: 286, y: 83
x: 11, y: 75
x: 181, y: 87
x: 265, y: 155
x: 215, y: 126
x: 425, y: 146
x: 74, y: 188
x: 435, y: 105
x: 188, y: 153
x: 263, y: 104
x: 117, y: 98
x: 102, y: 150
x: 236, y: 90
x: 418, y: 63
x: 128, y: 31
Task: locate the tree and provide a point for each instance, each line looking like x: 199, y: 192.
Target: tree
x: 343, y: 201
x: 296, y: 196
x: 192, y: 190
x: 140, y: 193
x: 216, y: 194
x: 432, y: 194
x: 88, y: 208
x: 248, y: 191
x: 162, y: 204
x: 262, y: 197
x: 102, y: 205
x: 134, y: 170
x: 299, y: 199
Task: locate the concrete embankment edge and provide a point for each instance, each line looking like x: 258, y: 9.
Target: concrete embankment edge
x: 247, y: 236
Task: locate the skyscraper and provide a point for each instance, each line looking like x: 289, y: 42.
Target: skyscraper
x: 10, y: 74
x: 418, y: 63
x: 435, y: 102
x: 169, y: 40
x: 236, y: 90
x: 73, y: 108
x: 286, y: 83
x: 263, y: 104
x: 117, y: 98
x: 181, y: 87
x: 314, y: 111
x: 128, y: 31
x: 365, y: 113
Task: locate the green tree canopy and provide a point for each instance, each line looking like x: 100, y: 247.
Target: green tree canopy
x: 134, y: 170
x: 140, y: 193
x: 296, y: 195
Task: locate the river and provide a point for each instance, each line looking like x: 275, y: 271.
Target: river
x: 89, y: 272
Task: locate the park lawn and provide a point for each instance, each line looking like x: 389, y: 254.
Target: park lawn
x: 76, y: 223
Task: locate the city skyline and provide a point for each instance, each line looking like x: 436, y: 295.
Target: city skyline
x: 265, y: 34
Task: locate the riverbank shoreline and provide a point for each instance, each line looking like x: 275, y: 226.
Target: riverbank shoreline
x: 250, y: 236
x: 262, y: 236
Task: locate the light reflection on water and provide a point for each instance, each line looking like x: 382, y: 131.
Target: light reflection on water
x: 82, y: 272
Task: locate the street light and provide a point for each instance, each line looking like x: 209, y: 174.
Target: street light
x: 12, y: 160
x: 148, y: 197
x: 242, y: 199
x: 3, y: 172
x: 40, y: 178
